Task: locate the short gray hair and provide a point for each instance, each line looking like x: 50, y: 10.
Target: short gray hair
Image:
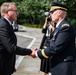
x: 5, y: 6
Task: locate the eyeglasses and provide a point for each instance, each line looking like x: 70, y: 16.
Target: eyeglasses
x: 13, y: 10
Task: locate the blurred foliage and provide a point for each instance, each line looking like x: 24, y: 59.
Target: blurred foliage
x: 32, y: 11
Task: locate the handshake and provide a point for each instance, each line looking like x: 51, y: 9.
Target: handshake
x: 34, y: 52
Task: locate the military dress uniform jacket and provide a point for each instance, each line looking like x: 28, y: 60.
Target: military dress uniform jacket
x: 9, y: 48
x: 62, y: 49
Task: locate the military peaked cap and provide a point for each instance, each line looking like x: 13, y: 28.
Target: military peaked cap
x: 56, y: 5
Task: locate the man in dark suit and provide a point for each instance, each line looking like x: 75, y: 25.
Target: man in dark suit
x: 8, y: 40
x: 62, y: 45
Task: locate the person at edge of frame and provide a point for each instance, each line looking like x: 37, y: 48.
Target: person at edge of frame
x: 8, y: 39
x: 62, y: 44
x: 47, y: 29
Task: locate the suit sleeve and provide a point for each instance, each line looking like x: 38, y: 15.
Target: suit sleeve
x: 58, y: 43
x: 9, y: 42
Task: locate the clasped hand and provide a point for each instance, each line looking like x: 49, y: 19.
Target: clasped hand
x: 34, y: 51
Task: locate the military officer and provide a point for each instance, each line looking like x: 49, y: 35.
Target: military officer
x: 62, y: 44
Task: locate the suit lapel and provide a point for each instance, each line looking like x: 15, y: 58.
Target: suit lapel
x: 56, y: 31
x: 7, y: 24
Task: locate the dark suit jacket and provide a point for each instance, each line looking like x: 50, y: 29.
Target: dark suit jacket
x: 62, y: 47
x: 9, y: 48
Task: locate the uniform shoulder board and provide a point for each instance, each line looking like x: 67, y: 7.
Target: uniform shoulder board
x: 65, y: 25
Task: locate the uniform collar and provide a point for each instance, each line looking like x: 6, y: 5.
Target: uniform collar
x: 57, y: 25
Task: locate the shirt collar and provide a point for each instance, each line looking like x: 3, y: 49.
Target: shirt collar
x: 58, y: 23
x: 8, y: 21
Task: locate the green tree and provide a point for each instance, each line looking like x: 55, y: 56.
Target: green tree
x: 33, y: 10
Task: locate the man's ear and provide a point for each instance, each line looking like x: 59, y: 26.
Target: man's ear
x: 6, y: 11
x: 60, y: 12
